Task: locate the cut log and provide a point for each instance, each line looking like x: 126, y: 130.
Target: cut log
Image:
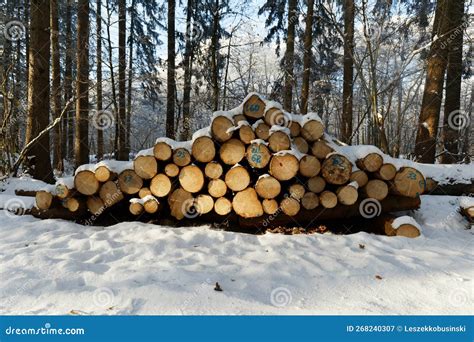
x: 203, y: 149
x: 129, y: 182
x: 301, y: 145
x: 309, y: 166
x: 110, y: 193
x: 267, y: 187
x: 312, y: 130
x: 180, y: 201
x: 321, y: 149
x: 191, y: 178
x: 254, y: 107
x: 386, y: 172
x: 220, y: 128
x: 408, y: 182
x: 43, y: 199
x: 222, y: 206
x: 328, y: 199
x: 262, y: 131
x: 279, y: 141
x: 310, y: 200
x: 160, y: 185
x: 95, y: 205
x: 145, y: 167
x: 204, y: 204
x: 151, y: 205
x: 103, y: 174
x: 295, y: 129
x: 75, y: 205
x: 284, y: 167
x: 451, y: 188
x: 136, y: 208
x: 277, y: 117
x: 213, y: 170
x: 296, y: 191
x: 258, y: 155
x: 316, y: 184
x: 336, y: 169
x: 246, y: 204
x: 181, y: 157
x: 144, y: 192
x: 389, y: 204
x: 270, y: 206
x: 347, y: 194
x: 468, y: 213
x: 386, y: 222
x: 360, y: 177
x: 62, y: 191
x: 217, y: 188
x: 232, y: 152
x: 237, y: 178
x: 370, y: 163
x: 238, y: 118
x: 171, y: 170
x: 246, y: 134
x: 162, y: 151
x: 86, y: 183
x: 290, y: 206
x: 376, y: 188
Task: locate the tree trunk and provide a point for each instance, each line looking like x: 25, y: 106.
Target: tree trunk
x: 100, y: 132
x: 348, y: 83
x: 171, y: 82
x: 425, y: 148
x: 112, y: 76
x: 308, y: 44
x: 68, y: 130
x: 56, y: 86
x: 131, y: 42
x: 122, y: 148
x: 215, y: 57
x: 38, y: 91
x: 290, y: 55
x: 188, y: 67
x: 452, y: 102
x: 81, y: 143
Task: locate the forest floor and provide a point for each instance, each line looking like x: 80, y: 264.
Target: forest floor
x: 59, y: 267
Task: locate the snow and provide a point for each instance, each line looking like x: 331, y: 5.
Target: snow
x: 466, y: 202
x: 59, y: 267
x: 400, y: 221
x: 116, y: 166
x: 176, y: 144
x: 143, y: 200
x: 25, y: 183
x: 68, y: 182
x: 146, y: 152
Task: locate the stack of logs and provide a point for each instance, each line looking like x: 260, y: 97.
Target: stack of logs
x: 257, y: 162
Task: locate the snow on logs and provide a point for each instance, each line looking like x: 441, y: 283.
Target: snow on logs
x: 253, y: 161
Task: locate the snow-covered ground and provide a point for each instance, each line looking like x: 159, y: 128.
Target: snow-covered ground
x: 58, y: 267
